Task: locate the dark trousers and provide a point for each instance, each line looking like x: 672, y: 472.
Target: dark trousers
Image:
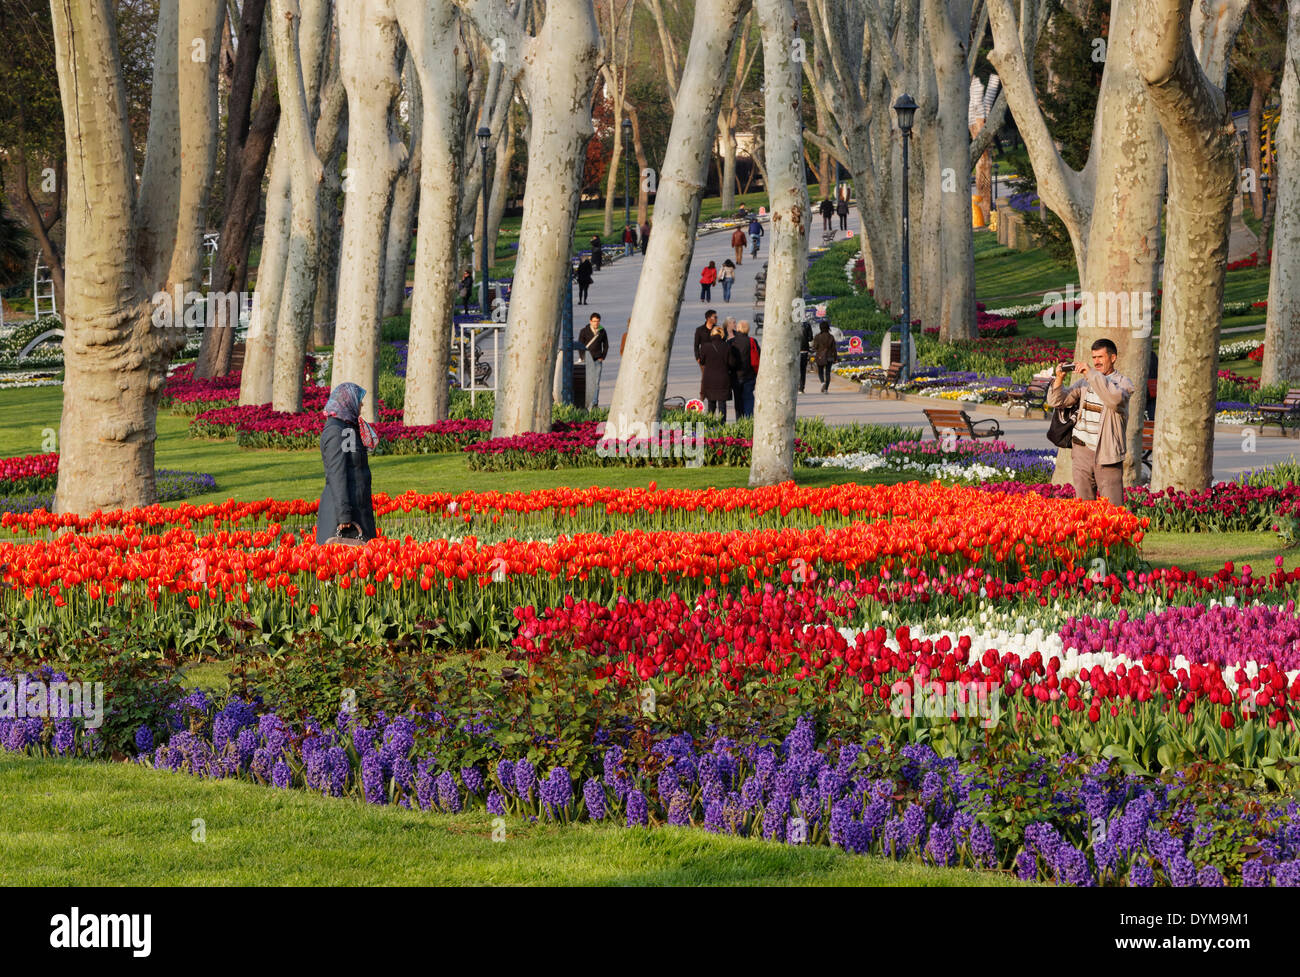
x: 582, y: 293
x: 742, y: 392
x: 844, y: 222
x: 718, y: 407
x: 826, y: 223
x: 706, y: 292
x: 824, y: 374
x: 803, y: 370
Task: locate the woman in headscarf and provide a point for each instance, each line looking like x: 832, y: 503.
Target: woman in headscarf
x: 346, y: 508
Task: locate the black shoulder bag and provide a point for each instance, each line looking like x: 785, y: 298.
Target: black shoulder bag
x: 1060, y: 430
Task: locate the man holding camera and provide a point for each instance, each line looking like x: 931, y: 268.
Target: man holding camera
x: 1099, y: 445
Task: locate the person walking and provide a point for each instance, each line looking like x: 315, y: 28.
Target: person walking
x: 727, y: 277
x: 738, y: 242
x: 629, y: 240
x: 707, y: 279
x: 827, y: 209
x: 597, y: 252
x: 805, y: 350
x: 842, y: 208
x: 346, y: 507
x: 645, y: 236
x: 584, y: 280
x: 466, y: 290
x: 747, y: 354
x: 825, y: 354
x: 755, y: 233
x: 718, y: 363
x: 595, y: 344
x: 702, y: 332
x: 1098, y: 446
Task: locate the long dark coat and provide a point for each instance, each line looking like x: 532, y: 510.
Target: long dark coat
x: 346, y: 496
x: 721, y: 362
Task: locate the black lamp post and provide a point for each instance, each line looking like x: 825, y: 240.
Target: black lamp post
x: 484, y: 137
x: 905, y: 107
x: 627, y: 179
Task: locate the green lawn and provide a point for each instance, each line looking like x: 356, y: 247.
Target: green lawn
x: 248, y: 474
x: 72, y: 822
x: 1206, y: 552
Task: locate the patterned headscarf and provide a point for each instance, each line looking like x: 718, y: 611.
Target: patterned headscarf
x: 345, y: 404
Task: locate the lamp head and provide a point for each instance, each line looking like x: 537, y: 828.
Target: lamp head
x: 905, y: 108
x: 484, y: 135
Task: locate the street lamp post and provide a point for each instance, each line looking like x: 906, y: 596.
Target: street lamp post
x: 627, y: 179
x: 484, y: 137
x: 905, y: 107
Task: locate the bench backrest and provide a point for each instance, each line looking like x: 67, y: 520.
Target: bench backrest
x: 949, y: 420
x: 1292, y: 398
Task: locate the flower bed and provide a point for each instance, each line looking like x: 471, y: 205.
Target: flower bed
x: 189, y: 585
x: 961, y: 459
x: 27, y: 483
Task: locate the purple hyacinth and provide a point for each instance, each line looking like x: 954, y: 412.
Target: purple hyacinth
x: 1254, y: 874
x: 667, y: 784
x: 679, y: 808
x: 913, y: 831
x: 525, y: 779
x: 372, y: 778
x: 448, y: 793
x: 65, y: 737
x: 774, y: 818
x: 1026, y: 866
x: 638, y: 811
x: 281, y: 774
x: 940, y: 847
x: 1209, y: 877
x: 982, y: 845
x: 714, y: 819
x: 403, y: 772
x: 362, y: 740
x: 1140, y: 875
x: 496, y: 804
x: 557, y: 791
x: 593, y: 795
x: 473, y: 779
x: 144, y: 739
x: 506, y: 775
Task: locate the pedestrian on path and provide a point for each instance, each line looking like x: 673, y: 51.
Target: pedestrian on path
x: 805, y: 350
x: 584, y: 280
x: 629, y: 240
x: 727, y: 277
x: 825, y: 354
x: 738, y: 242
x: 595, y: 348
x: 707, y: 279
x: 346, y: 509
x: 597, y: 252
x: 645, y: 236
x: 718, y: 362
x: 1098, y: 447
x: 755, y: 234
x: 702, y: 332
x: 827, y: 209
x: 747, y: 355
x: 842, y: 208
x: 466, y: 290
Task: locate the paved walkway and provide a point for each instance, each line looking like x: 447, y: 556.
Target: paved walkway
x: 615, y: 286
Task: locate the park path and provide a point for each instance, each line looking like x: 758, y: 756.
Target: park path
x: 615, y: 286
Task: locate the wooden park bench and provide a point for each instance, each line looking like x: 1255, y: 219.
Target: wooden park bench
x: 1034, y: 397
x: 958, y: 422
x: 828, y: 237
x: 892, y: 372
x: 1287, y: 412
x: 1148, y: 441
x: 674, y: 403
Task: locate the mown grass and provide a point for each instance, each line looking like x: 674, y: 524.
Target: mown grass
x: 1206, y: 552
x: 75, y: 822
x: 248, y: 474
